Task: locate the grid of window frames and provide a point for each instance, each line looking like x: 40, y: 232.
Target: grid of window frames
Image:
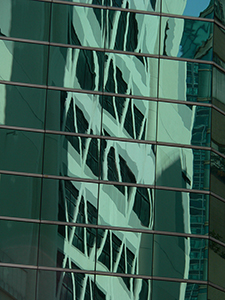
x: 112, y: 157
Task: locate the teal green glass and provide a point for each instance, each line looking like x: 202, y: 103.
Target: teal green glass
x: 180, y: 257
x: 114, y: 255
x: 183, y: 124
x: 69, y: 201
x: 185, y: 81
x: 18, y: 282
x: 183, y: 168
x: 202, y: 9
x: 131, y: 75
x: 17, y: 102
x: 22, y: 151
x: 129, y: 118
x: 76, y: 247
x: 73, y: 156
x: 64, y: 285
x: 218, y: 139
x: 131, y: 207
x: 217, y: 222
x: 216, y: 262
x: 181, y: 212
x: 127, y: 162
x: 23, y: 62
x: 122, y: 288
x: 219, y: 13
x: 20, y: 196
x: 217, y: 174
x: 186, y: 38
x: 19, y: 242
x: 16, y: 18
x: 73, y: 112
x: 218, y: 49
x: 70, y: 22
x: 76, y: 68
x: 178, y: 290
x: 218, y: 89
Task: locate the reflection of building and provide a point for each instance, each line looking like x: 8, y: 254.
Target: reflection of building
x: 104, y: 167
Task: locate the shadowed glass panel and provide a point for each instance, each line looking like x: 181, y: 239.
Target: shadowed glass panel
x: 218, y: 46
x: 218, y: 88
x: 218, y: 138
x: 217, y: 221
x: 183, y: 168
x: 181, y: 212
x: 180, y: 257
x: 22, y: 151
x: 216, y: 263
x: 217, y: 174
x: 215, y: 294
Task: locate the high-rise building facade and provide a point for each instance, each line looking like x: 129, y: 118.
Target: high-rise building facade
x: 112, y: 149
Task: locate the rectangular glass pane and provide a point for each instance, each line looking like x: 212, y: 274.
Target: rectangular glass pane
x: 217, y: 220
x: 181, y: 212
x: 180, y: 257
x: 22, y: 151
x: 183, y: 168
x: 65, y: 285
x: 216, y: 262
x: 124, y: 252
x: 16, y: 18
x: 218, y: 88
x: 129, y: 118
x: 217, y: 177
x: 186, y: 38
x: 127, y: 162
x: 218, y: 138
x: 185, y: 81
x: 19, y: 242
x: 20, y: 196
x: 23, y: 62
x: 202, y: 9
x: 125, y: 288
x: 16, y: 102
x: 73, y: 112
x: 183, y: 124
x: 218, y: 49
x: 131, y: 75
x: 17, y: 283
x: 69, y: 201
x: 215, y: 294
x: 75, y: 247
x: 72, y: 156
x: 131, y: 207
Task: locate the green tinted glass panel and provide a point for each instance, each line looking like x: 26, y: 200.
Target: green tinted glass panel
x: 129, y: 118
x: 218, y: 46
x: 19, y: 242
x: 202, y: 9
x: 72, y: 156
x: 183, y: 168
x: 178, y: 290
x: 186, y: 81
x: 217, y: 174
x: 124, y: 252
x: 17, y: 102
x: 22, y: 151
x: 16, y: 18
x: 73, y: 112
x: 183, y: 124
x: 127, y: 162
x: 64, y: 285
x: 216, y: 263
x: 215, y: 294
x: 69, y: 201
x: 217, y: 221
x: 23, y: 62
x: 75, y: 250
x: 17, y: 282
x: 186, y: 38
x: 129, y: 206
x: 218, y: 89
x: 180, y: 257
x: 181, y: 212
x: 20, y: 196
x: 129, y: 74
x: 218, y: 139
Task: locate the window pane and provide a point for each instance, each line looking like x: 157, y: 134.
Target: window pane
x: 216, y: 262
x: 217, y: 174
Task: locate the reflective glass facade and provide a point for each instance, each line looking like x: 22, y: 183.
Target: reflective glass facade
x: 112, y: 149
